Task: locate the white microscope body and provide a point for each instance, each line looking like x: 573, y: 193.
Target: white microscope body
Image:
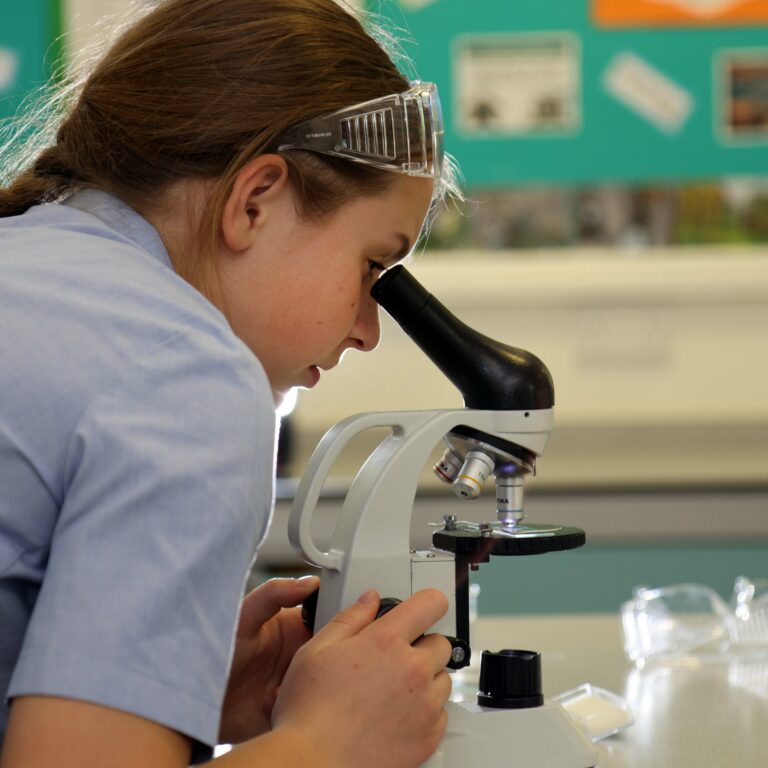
x: 370, y: 548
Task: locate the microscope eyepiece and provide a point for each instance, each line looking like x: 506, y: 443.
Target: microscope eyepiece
x: 490, y: 375
x: 401, y: 294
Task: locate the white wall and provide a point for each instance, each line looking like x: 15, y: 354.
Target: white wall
x: 660, y: 361
x: 86, y: 21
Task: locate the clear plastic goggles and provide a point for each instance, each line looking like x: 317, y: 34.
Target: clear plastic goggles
x: 401, y: 133
x: 692, y: 621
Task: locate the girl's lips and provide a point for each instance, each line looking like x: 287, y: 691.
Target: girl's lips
x: 314, y: 372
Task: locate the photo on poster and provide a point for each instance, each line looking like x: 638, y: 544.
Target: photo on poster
x: 517, y: 85
x: 742, y: 107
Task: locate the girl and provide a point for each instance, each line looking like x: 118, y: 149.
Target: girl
x: 199, y: 237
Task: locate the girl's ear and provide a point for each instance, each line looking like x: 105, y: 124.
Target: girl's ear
x: 257, y: 190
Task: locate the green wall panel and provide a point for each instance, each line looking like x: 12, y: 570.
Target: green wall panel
x: 29, y: 48
x: 599, y: 577
x: 612, y: 142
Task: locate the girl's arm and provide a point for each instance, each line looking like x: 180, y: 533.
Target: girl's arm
x: 44, y: 731
x: 359, y: 693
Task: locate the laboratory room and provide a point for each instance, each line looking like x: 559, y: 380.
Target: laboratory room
x: 524, y: 524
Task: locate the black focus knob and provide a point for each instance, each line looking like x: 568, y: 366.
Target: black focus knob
x: 386, y: 604
x: 309, y: 610
x: 510, y: 680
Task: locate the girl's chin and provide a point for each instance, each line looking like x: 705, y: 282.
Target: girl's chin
x: 314, y: 376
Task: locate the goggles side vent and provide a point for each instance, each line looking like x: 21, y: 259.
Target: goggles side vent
x: 371, y: 134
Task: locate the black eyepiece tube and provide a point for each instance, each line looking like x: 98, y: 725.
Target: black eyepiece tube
x: 490, y: 375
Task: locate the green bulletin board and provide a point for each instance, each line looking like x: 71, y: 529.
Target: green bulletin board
x: 29, y: 48
x: 535, y: 91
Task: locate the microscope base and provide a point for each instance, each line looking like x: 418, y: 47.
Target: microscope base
x: 523, y: 738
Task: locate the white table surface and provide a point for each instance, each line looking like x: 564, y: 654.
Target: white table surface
x: 690, y: 715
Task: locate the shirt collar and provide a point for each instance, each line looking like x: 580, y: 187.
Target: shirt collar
x: 121, y: 218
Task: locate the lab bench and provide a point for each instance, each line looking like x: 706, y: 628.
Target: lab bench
x: 695, y: 714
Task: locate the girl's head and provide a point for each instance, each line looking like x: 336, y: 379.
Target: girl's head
x: 197, y: 91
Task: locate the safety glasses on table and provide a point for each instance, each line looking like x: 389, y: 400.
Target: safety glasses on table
x: 402, y: 132
x: 684, y: 619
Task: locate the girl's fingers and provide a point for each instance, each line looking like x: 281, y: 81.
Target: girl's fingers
x: 264, y: 602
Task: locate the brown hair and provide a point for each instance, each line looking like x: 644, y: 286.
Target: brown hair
x: 196, y: 89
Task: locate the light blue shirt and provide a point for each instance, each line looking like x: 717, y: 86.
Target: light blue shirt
x: 136, y: 463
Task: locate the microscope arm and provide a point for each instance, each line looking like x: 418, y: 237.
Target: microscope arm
x: 308, y: 493
x: 370, y: 545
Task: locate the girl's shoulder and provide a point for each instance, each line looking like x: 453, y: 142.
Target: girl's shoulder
x: 94, y: 276
x: 91, y: 308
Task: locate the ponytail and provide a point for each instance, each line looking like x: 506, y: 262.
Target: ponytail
x: 45, y: 181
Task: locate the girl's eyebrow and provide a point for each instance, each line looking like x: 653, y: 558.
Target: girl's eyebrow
x: 405, y: 246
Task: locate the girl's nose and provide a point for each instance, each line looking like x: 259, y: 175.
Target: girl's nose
x: 366, y: 332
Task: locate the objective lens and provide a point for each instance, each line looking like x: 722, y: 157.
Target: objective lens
x: 509, y: 500
x: 477, y: 468
x: 447, y: 469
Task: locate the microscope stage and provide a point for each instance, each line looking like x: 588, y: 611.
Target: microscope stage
x: 522, y: 540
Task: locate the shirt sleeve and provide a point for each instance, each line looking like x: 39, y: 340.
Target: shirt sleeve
x: 168, y: 490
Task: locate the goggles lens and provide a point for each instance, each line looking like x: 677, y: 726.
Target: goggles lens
x: 402, y: 133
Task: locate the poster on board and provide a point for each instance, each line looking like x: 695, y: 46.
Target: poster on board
x: 657, y: 13
x: 9, y: 67
x: 742, y: 107
x: 517, y: 84
x: 648, y: 92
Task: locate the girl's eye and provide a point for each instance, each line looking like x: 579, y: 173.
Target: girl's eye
x: 374, y: 269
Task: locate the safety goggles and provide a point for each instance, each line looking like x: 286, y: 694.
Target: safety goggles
x: 402, y: 132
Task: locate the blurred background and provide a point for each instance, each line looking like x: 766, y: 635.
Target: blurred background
x: 615, y: 156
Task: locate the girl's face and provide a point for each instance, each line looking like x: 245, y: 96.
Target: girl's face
x: 298, y: 295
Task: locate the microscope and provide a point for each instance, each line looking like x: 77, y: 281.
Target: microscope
x: 501, y: 431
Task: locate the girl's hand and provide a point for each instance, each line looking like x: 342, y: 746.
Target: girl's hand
x: 369, y: 693
x: 269, y: 633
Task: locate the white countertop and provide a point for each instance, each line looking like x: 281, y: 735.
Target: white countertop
x: 706, y: 715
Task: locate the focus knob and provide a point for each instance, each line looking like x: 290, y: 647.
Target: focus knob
x: 309, y: 610
x: 510, y: 680
x: 386, y: 604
